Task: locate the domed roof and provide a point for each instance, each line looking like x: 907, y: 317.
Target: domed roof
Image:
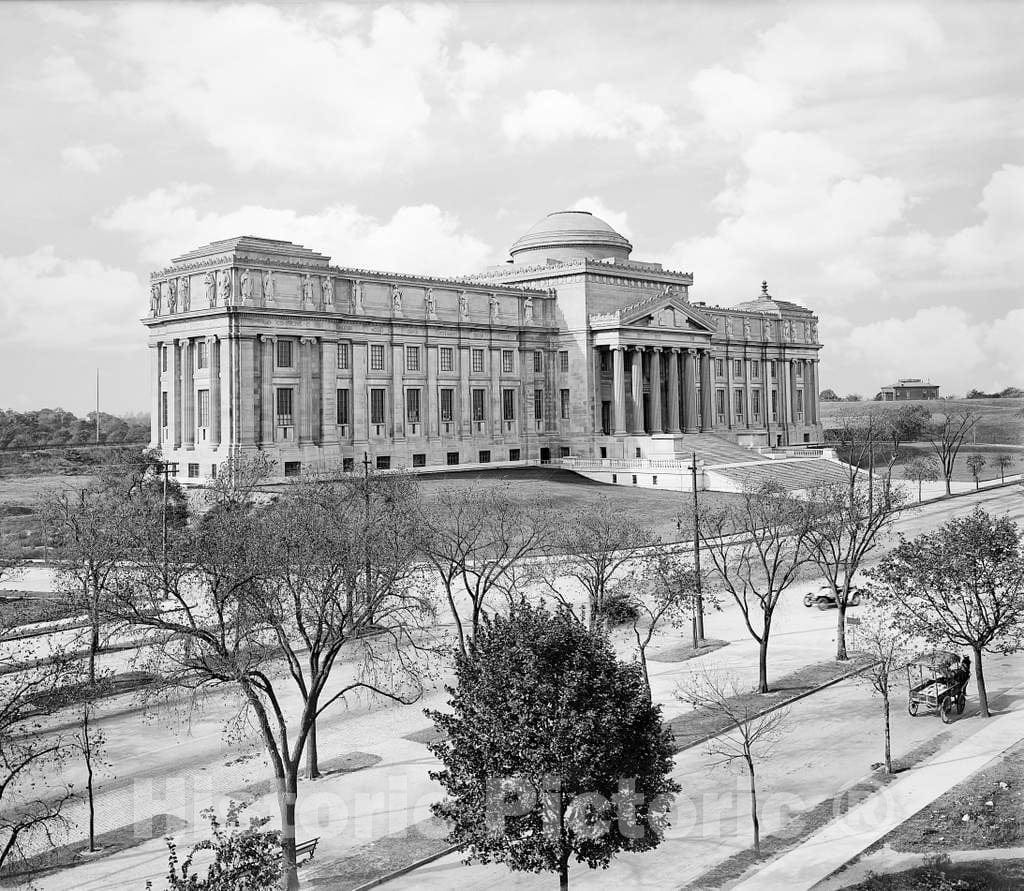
x: 570, y: 234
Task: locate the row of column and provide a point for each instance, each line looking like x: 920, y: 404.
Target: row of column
x: 175, y: 382
x: 684, y: 390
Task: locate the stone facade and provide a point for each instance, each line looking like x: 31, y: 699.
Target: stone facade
x: 262, y: 345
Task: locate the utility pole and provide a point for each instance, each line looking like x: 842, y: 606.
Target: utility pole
x: 366, y: 524
x: 97, y: 406
x: 698, y: 614
x: 166, y: 468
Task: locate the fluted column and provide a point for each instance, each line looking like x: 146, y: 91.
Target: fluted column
x: 637, y: 390
x: 690, y: 393
x: 154, y: 404
x: 656, y: 421
x: 432, y: 427
x: 729, y: 407
x: 619, y: 383
x: 497, y: 421
x: 746, y: 392
x: 792, y: 389
x: 305, y: 400
x: 267, y: 408
x: 213, y: 349
x: 188, y: 396
x: 174, y: 395
x: 465, y: 403
x: 359, y: 397
x: 398, y: 391
x: 673, y: 391
x: 707, y: 419
x: 328, y: 391
x: 813, y: 366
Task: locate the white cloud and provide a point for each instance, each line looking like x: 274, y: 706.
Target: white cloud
x: 90, y: 158
x: 422, y: 238
x: 733, y: 104
x: 62, y: 78
x: 617, y: 219
x: 64, y: 15
x: 549, y: 116
x: 46, y: 300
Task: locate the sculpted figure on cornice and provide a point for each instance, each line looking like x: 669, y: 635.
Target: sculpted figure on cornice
x: 814, y: 332
x: 746, y: 329
x: 495, y: 307
x: 211, y: 289
x: 225, y: 287
x: 172, y: 295
x: 463, y: 305
x: 807, y: 331
x: 431, y: 303
x: 528, y: 310
x: 787, y: 330
x: 268, y: 286
x: 184, y: 297
x: 327, y: 289
x: 396, y: 300
x: 246, y: 287
x: 728, y: 326
x: 357, y: 297
x: 307, y: 290
x: 154, y: 300
x: 768, y: 328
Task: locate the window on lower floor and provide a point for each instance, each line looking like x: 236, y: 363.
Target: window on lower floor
x: 477, y: 359
x: 446, y: 358
x: 720, y: 401
x: 563, y: 361
x: 538, y: 405
x: 163, y: 358
x: 719, y: 367
x: 564, y: 397
x: 538, y: 362
x: 478, y: 404
x: 484, y: 457
x: 419, y: 460
x: 412, y: 405
x: 755, y: 403
x: 755, y: 369
x: 563, y: 451
x: 163, y: 409
x: 376, y: 357
x: 202, y: 354
x: 412, y: 358
x: 347, y: 465
x: 452, y: 458
x: 508, y: 405
x: 343, y: 408
x: 737, y: 396
x: 775, y: 401
x: 292, y: 468
x: 284, y: 406
x: 383, y: 462
x: 737, y: 367
x: 203, y: 408
x: 508, y: 362
x: 284, y: 353
x: 193, y: 471
x: 774, y: 369
x: 606, y: 361
x: 513, y: 454
x: 447, y: 404
x: 213, y: 471
x: 378, y: 405
x: 344, y: 357
x: 799, y: 400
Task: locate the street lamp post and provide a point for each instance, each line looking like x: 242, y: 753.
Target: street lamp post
x: 698, y: 615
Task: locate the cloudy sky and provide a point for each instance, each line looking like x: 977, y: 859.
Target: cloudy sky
x: 867, y: 161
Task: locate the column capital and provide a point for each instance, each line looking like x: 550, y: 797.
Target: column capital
x: 692, y: 351
x: 618, y: 348
x: 264, y: 338
x: 639, y: 348
x: 307, y: 340
x: 676, y: 349
x: 656, y: 349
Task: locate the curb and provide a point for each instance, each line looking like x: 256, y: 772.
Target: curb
x: 405, y: 870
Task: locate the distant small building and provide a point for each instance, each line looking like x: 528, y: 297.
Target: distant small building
x: 907, y: 388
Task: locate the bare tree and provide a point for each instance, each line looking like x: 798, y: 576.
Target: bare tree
x: 1002, y: 462
x: 976, y: 463
x: 845, y: 524
x: 920, y: 469
x: 263, y: 601
x: 757, y: 549
x: 947, y: 437
x: 476, y: 539
x: 752, y: 732
x: 593, y: 545
x: 887, y: 648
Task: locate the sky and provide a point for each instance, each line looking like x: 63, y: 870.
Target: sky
x: 867, y: 161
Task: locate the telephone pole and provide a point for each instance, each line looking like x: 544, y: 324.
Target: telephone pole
x: 698, y: 613
x: 166, y: 468
x: 97, y: 406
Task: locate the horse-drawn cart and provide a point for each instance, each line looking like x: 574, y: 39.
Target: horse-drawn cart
x: 938, y: 682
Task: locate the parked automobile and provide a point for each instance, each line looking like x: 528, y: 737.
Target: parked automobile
x: 825, y: 599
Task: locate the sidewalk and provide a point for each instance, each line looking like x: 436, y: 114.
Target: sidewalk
x: 843, y: 839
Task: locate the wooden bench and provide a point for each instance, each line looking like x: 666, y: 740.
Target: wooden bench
x: 306, y: 847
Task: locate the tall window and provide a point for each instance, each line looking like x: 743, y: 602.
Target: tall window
x: 564, y: 396
x: 412, y: 358
x: 737, y: 400
x: 799, y: 370
x: 719, y: 367
x: 606, y: 360
x: 203, y: 408
x: 563, y: 360
x: 446, y: 358
x: 412, y: 405
x: 478, y: 404
x: 755, y: 369
x: 507, y: 362
x: 775, y: 370
x: 163, y: 361
x: 344, y: 357
x: 538, y: 405
x: 376, y: 357
x: 163, y: 409
x: 775, y: 402
x: 508, y: 405
x: 202, y: 354
x: 447, y: 403
x: 755, y: 403
x: 343, y: 407
x: 720, y: 401
x: 284, y: 353
x: 478, y: 361
x: 737, y: 367
x: 378, y: 405
x: 799, y: 400
x: 284, y: 406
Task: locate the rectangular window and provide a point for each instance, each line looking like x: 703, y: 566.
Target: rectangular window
x: 284, y: 353
x: 284, y: 406
x: 163, y: 361
x: 376, y: 357
x: 737, y: 367
x: 737, y: 400
x: 775, y: 371
x: 564, y: 395
x: 507, y: 362
x: 201, y: 354
x: 447, y: 404
x: 446, y: 358
x: 538, y: 362
x: 775, y: 402
x: 485, y: 456
x: 378, y: 405
x: 478, y: 404
x: 720, y: 401
x: 419, y: 460
x: 799, y: 370
x: 563, y: 360
x: 606, y: 361
x: 478, y: 361
x: 412, y: 406
x: 513, y: 454
x: 343, y: 407
x: 508, y: 405
x: 799, y: 406
x: 213, y: 471
x: 203, y: 408
x: 538, y: 404
x: 755, y: 369
x: 755, y: 403
x: 293, y: 468
x: 348, y: 465
x: 719, y: 367
x: 412, y: 358
x: 163, y: 409
x: 383, y: 462
x: 193, y: 471
x: 344, y: 357
x: 452, y: 458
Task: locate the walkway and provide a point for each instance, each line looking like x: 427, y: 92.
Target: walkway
x: 843, y: 839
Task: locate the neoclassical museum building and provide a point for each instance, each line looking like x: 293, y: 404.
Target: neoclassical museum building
x: 570, y: 348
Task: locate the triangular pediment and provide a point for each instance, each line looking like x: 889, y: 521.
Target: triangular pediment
x: 669, y: 313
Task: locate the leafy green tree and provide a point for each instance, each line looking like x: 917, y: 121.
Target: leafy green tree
x: 552, y: 749
x: 961, y: 585
x: 976, y: 463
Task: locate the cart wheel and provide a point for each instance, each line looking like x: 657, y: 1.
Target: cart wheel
x: 823, y: 603
x: 855, y: 600
x: 808, y: 599
x: 912, y: 708
x: 946, y: 710
x: 961, y: 703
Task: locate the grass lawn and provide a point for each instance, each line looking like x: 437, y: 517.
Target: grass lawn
x: 25, y: 607
x: 993, y: 875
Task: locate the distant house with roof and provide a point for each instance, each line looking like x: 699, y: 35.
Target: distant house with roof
x: 908, y: 388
